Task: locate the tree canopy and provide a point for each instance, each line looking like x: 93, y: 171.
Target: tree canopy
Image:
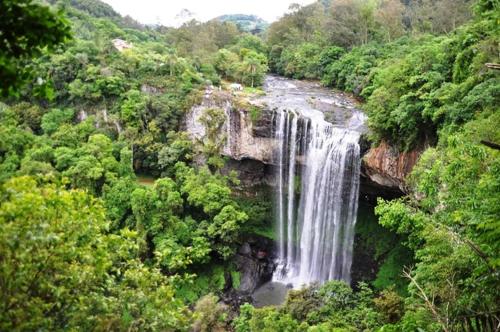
x: 27, y: 29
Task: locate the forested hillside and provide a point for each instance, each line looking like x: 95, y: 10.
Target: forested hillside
x: 109, y: 221
x: 84, y: 244
x: 247, y: 23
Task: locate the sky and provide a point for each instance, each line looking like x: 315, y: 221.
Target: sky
x: 166, y: 11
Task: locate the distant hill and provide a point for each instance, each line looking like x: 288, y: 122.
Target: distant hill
x: 247, y: 23
x: 95, y: 8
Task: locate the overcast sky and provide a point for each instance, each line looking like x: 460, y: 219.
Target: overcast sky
x: 166, y: 11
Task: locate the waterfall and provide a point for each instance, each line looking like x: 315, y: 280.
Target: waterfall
x: 316, y: 226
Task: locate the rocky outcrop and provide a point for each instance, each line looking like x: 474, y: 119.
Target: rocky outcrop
x: 246, y: 139
x: 255, y: 262
x: 121, y: 44
x: 387, y: 167
x: 250, y: 172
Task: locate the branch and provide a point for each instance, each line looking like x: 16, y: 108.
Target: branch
x: 430, y: 304
x: 475, y: 248
x: 493, y: 66
x: 490, y: 144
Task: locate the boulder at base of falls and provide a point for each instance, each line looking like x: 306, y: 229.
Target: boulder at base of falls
x: 255, y: 262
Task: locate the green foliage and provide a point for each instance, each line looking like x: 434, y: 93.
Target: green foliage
x: 208, y: 278
x: 52, y: 120
x: 54, y: 242
x: 13, y: 143
x: 258, y: 207
x: 255, y: 113
x: 29, y: 116
x: 28, y: 28
x: 266, y: 319
x: 414, y: 86
x: 247, y: 66
x: 236, y: 279
x: 426, y: 89
x: 112, y: 112
x: 381, y: 252
x: 95, y: 8
x: 302, y: 62
x: 95, y: 114
x: 349, y: 72
x: 225, y: 227
x: 210, y: 315
x: 451, y: 222
x: 390, y: 273
x: 199, y: 41
x: 249, y: 42
x: 332, y: 306
x: 116, y: 196
x: 133, y: 108
x: 244, y: 62
x: 182, y: 221
x: 226, y: 63
x: 139, y: 93
x: 253, y: 68
x: 390, y: 305
x: 211, y: 194
x: 213, y: 141
x: 180, y: 149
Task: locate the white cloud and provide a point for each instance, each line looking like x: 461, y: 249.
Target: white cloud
x: 165, y: 11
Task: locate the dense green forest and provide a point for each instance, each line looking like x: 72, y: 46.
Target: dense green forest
x: 93, y: 101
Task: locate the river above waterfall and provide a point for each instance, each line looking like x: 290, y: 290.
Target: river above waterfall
x: 317, y: 160
x: 312, y: 100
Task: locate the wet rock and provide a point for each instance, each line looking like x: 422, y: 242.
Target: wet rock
x: 261, y: 254
x: 251, y: 272
x: 385, y: 166
x: 245, y: 249
x: 235, y: 299
x: 370, y: 190
x: 250, y: 172
x: 263, y: 125
x: 255, y: 262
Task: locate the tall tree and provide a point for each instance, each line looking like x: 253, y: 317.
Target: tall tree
x: 389, y: 15
x: 439, y: 16
x: 26, y: 29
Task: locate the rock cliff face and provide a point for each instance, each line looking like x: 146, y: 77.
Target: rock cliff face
x: 245, y: 139
x: 385, y: 166
x: 250, y: 145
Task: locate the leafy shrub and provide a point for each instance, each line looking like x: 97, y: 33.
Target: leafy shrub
x: 210, y: 315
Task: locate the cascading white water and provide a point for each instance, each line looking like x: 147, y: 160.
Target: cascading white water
x: 316, y: 231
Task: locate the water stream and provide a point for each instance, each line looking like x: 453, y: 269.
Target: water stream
x: 317, y: 158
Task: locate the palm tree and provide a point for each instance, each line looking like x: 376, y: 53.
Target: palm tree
x: 251, y: 65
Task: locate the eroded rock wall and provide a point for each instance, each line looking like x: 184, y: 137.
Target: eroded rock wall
x: 246, y: 139
x: 387, y: 167
x: 250, y: 146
